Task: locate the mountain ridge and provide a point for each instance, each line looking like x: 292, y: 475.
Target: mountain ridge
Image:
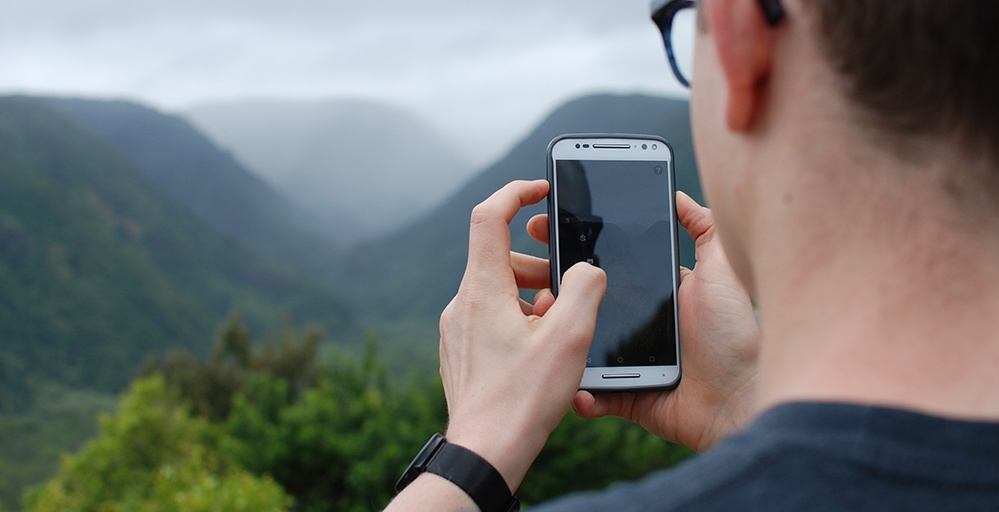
x: 100, y: 266
x: 438, y: 240
x: 206, y: 179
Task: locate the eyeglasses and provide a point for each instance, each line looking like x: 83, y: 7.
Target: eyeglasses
x: 677, y: 21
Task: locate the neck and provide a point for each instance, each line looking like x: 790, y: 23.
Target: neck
x: 901, y: 314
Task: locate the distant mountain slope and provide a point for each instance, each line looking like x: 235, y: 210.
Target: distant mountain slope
x: 207, y: 180
x: 99, y: 267
x: 360, y: 168
x: 415, y: 271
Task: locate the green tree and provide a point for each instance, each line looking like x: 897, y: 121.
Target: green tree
x: 151, y: 455
x: 344, y: 443
x: 210, y: 386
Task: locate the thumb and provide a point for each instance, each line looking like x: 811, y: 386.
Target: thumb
x: 696, y: 219
x: 579, y: 296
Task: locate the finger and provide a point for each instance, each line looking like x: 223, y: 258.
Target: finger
x: 582, y: 404
x: 543, y: 301
x: 684, y: 272
x: 530, y: 272
x: 696, y: 219
x: 574, y: 313
x: 489, y: 230
x: 526, y: 307
x: 537, y: 227
x: 588, y: 405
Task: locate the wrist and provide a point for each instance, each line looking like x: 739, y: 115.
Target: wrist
x: 476, y: 477
x: 510, y: 451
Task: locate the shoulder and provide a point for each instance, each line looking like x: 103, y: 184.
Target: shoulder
x: 719, y: 480
x: 811, y: 456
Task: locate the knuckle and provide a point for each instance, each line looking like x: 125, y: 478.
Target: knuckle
x: 597, y: 275
x: 481, y: 214
x: 447, y: 315
x: 588, y: 275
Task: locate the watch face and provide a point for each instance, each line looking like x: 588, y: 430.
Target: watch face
x: 419, y: 464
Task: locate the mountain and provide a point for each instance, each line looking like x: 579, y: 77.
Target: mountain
x: 100, y: 266
x: 360, y: 169
x: 414, y: 272
x: 204, y: 178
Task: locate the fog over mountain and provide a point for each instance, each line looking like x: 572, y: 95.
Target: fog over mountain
x: 415, y: 271
x: 359, y: 169
x: 482, y: 71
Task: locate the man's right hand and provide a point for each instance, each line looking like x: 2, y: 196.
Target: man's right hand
x: 719, y: 338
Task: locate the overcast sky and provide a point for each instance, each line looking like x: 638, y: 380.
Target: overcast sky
x: 484, y: 72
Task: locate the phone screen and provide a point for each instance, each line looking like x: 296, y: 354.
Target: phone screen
x: 618, y: 215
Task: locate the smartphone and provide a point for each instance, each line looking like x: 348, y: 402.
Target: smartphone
x: 612, y: 204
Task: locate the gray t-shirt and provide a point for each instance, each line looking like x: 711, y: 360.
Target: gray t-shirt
x: 824, y: 457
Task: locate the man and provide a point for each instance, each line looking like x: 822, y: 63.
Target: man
x: 847, y: 150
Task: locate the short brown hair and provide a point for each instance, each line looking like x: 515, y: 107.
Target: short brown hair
x: 919, y: 67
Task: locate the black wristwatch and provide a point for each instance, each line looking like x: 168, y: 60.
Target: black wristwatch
x: 464, y: 468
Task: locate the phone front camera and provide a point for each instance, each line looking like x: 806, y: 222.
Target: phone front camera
x: 659, y: 170
x: 645, y: 146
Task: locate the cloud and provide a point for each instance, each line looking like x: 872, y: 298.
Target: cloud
x: 482, y: 71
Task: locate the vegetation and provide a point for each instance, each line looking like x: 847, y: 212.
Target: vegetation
x: 112, y: 247
x: 281, y: 427
x: 202, y: 177
x: 154, y: 456
x: 98, y: 267
x: 60, y: 418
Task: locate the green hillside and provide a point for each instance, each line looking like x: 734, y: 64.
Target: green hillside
x: 207, y: 180
x: 98, y: 267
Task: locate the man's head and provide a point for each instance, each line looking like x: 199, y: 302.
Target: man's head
x: 807, y: 109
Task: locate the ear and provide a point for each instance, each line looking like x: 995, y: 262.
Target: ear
x: 744, y: 42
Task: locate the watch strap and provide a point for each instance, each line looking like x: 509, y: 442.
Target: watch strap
x: 474, y: 475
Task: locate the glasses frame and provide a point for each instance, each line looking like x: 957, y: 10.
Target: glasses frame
x: 664, y: 12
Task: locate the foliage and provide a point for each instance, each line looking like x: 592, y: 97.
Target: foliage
x: 211, y: 386
x: 343, y: 445
x: 336, y: 434
x: 154, y: 456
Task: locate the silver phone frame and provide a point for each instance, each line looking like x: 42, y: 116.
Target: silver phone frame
x: 609, y: 147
